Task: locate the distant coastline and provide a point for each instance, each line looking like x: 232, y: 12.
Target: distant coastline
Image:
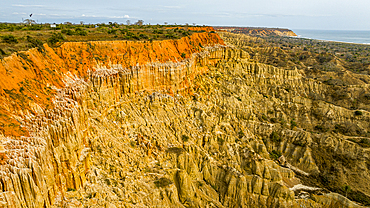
x: 257, y: 31
x: 344, y: 36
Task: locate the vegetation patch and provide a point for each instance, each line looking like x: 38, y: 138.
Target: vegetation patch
x: 275, y: 137
x: 162, y: 182
x: 23, y: 36
x: 175, y: 150
x: 185, y: 138
x: 358, y: 113
x: 275, y: 154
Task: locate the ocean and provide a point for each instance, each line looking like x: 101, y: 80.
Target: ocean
x: 349, y: 36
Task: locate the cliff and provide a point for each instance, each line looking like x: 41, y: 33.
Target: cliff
x: 180, y: 123
x: 28, y: 77
x: 256, y: 31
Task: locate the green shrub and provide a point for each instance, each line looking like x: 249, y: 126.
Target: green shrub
x: 321, y: 128
x: 162, y: 182
x: 133, y: 144
x: 175, y: 150
x: 274, y: 120
x: 275, y: 137
x: 358, y: 113
x: 143, y: 36
x: 67, y: 31
x: 170, y: 36
x: 282, y: 122
x: 275, y: 154
x: 9, y: 39
x: 364, y: 142
x: 158, y: 31
x: 71, y: 189
x: 2, y: 52
x: 185, y: 138
x: 34, y: 27
x: 220, y: 140
x: 183, y: 55
x: 293, y: 124
x: 112, y: 31
x: 55, y: 38
x: 241, y: 134
x: 264, y: 117
x: 80, y: 31
x: 35, y: 43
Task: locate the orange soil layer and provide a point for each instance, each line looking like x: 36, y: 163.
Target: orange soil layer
x: 26, y: 77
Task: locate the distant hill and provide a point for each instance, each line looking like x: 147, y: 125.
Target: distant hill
x: 259, y: 31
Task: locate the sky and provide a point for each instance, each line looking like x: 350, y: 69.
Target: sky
x: 292, y: 14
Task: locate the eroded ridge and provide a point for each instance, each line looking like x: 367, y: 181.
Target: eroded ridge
x: 214, y: 130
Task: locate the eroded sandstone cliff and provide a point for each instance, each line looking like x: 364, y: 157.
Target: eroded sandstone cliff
x: 131, y: 124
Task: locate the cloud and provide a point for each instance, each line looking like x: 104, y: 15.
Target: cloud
x: 173, y: 7
x: 22, y: 5
x: 126, y: 16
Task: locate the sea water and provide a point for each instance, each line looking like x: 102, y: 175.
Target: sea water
x: 349, y: 36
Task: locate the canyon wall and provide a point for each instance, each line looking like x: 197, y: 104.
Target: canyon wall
x: 177, y: 123
x: 44, y: 146
x: 29, y: 77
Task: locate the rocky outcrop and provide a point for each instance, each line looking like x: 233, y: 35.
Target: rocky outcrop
x: 134, y: 124
x: 52, y: 155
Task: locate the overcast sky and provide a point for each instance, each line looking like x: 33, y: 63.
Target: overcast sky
x: 293, y: 14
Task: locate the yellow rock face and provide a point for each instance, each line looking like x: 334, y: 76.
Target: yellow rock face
x: 167, y: 133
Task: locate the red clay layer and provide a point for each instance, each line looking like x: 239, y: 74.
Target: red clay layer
x: 26, y: 77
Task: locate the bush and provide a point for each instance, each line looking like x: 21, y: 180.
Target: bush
x: 143, y: 36
x: 9, y: 39
x: 67, y: 32
x: 34, y: 27
x: 82, y: 33
x: 274, y: 120
x: 2, y: 52
x: 112, y: 31
x: 275, y: 154
x: 358, y: 113
x: 321, y: 128
x: 364, y: 142
x: 293, y: 124
x: 35, y: 43
x: 183, y: 55
x: 175, y: 150
x: 185, y: 138
x: 275, y: 137
x: 282, y: 122
x: 241, y: 134
x: 158, y: 31
x: 162, y: 182
x: 264, y: 117
x: 170, y: 36
x: 55, y: 38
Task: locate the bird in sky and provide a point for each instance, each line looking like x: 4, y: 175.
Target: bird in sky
x: 30, y: 15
